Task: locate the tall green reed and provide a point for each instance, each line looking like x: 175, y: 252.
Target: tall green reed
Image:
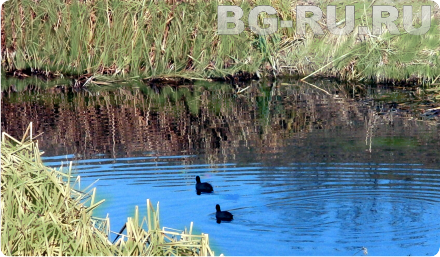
x: 145, y: 38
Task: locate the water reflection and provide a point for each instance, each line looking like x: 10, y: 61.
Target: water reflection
x: 296, y: 208
x: 208, y: 118
x: 303, y: 172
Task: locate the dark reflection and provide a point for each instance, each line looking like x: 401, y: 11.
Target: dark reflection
x: 213, y: 119
x: 219, y: 221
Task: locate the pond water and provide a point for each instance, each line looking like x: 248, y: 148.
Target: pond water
x: 302, y: 171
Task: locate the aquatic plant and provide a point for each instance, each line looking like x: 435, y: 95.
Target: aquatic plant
x: 45, y: 213
x: 147, y: 39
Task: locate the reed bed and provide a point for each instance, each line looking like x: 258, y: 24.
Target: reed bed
x: 45, y: 213
x: 160, y: 242
x: 146, y: 39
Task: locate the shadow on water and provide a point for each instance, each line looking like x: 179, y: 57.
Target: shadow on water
x: 302, y: 171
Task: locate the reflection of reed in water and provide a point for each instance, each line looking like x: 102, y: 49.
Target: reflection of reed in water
x: 207, y: 118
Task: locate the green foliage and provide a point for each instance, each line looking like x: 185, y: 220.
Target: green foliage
x: 155, y: 39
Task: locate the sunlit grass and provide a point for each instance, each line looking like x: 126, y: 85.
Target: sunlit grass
x: 155, y: 39
x: 45, y: 213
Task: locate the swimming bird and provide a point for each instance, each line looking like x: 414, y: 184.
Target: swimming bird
x: 222, y: 215
x: 203, y: 187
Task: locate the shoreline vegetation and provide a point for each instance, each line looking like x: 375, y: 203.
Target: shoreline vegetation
x: 44, y: 213
x: 100, y: 41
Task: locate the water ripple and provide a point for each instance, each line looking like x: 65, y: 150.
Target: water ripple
x: 309, y: 204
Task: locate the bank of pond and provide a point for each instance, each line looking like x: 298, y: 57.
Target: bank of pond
x: 181, y: 39
x: 45, y: 212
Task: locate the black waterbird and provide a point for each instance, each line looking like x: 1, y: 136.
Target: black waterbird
x: 222, y: 215
x: 203, y: 187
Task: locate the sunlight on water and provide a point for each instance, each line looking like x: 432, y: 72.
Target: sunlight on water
x: 299, y: 209
x: 303, y: 172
